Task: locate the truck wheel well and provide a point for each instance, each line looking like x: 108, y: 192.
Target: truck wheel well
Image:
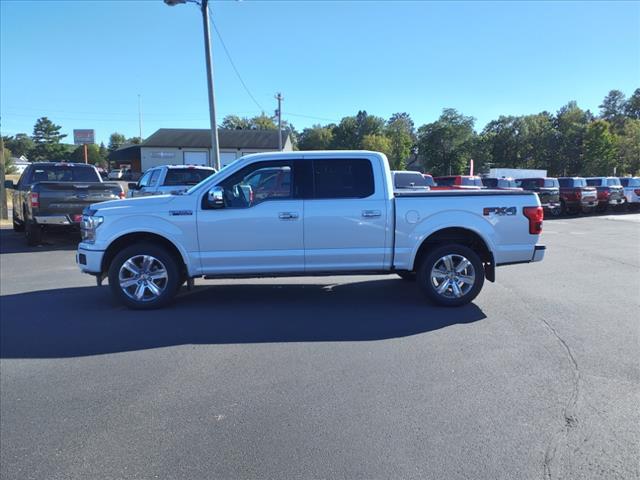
x: 142, y: 237
x: 460, y: 236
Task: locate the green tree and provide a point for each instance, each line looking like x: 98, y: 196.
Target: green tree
x: 377, y: 143
x: 628, y: 148
x: 401, y: 134
x: 446, y: 145
x: 46, y: 137
x: 234, y: 122
x: 93, y: 155
x: 9, y: 167
x: 263, y: 122
x: 571, y: 123
x: 612, y: 109
x: 345, y: 134
x: 20, y: 144
x: 316, y: 138
x: 632, y: 107
x: 133, y: 141
x: 599, y: 149
x: 116, y: 140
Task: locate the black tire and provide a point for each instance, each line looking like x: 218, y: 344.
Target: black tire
x: 18, y: 226
x: 32, y: 233
x: 427, y: 285
x: 407, y: 276
x: 169, y: 288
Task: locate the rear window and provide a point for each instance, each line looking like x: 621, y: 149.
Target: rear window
x: 490, y: 182
x: 471, y: 181
x: 529, y: 183
x: 348, y: 178
x: 594, y: 182
x: 613, y: 182
x: 186, y: 176
x: 409, y: 179
x: 551, y: 182
x: 445, y: 181
x: 64, y: 173
x: 572, y: 182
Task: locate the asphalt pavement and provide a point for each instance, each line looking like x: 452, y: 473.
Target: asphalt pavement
x: 333, y: 377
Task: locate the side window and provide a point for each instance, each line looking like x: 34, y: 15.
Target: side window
x: 155, y: 175
x: 258, y: 183
x: 144, y: 181
x: 348, y: 178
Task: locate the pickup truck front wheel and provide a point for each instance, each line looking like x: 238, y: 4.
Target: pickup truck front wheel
x: 451, y: 275
x: 144, y: 276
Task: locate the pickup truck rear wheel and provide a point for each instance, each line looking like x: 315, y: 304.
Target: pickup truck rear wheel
x: 144, y: 276
x: 451, y: 275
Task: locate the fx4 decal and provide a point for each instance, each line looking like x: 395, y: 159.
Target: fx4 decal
x: 499, y: 211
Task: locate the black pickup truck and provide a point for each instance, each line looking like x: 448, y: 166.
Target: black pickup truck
x: 51, y: 195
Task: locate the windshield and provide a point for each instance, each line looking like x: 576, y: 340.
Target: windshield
x: 186, y: 176
x: 63, y: 173
x: 630, y: 182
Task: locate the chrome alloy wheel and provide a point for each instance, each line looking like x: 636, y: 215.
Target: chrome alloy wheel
x: 453, y: 276
x: 143, y: 278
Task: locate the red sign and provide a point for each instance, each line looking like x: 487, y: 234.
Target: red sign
x: 84, y: 137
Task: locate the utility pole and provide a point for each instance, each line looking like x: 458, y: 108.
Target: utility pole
x: 140, y: 117
x: 215, y: 150
x: 280, y: 98
x: 214, y: 159
x: 4, y: 211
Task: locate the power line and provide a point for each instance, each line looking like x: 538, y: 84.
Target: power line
x: 235, y: 69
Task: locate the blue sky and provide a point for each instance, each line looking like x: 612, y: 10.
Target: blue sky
x: 83, y: 63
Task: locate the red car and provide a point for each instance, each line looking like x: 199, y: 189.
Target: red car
x: 458, y: 182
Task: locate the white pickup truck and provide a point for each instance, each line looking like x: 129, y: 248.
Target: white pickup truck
x: 308, y: 213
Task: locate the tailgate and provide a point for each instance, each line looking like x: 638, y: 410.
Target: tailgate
x: 589, y: 193
x: 58, y: 198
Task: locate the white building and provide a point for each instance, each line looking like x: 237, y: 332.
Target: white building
x: 182, y: 146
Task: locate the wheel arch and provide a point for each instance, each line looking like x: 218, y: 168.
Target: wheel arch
x: 462, y: 236
x: 143, y: 237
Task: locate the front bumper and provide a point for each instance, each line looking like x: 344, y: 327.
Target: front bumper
x: 538, y: 253
x: 89, y: 261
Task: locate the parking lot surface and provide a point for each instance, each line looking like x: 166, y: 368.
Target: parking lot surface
x: 336, y: 377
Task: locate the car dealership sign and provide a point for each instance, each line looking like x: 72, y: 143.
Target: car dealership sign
x: 84, y: 137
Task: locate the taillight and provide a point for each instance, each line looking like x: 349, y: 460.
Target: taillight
x: 121, y: 195
x: 578, y: 193
x: 535, y: 216
x: 606, y: 193
x: 34, y: 199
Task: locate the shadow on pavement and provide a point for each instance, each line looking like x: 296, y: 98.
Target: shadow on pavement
x: 85, y: 321
x: 14, y: 242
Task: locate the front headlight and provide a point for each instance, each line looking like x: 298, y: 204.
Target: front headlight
x: 89, y: 225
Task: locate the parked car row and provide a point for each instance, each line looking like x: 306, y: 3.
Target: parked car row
x: 564, y: 195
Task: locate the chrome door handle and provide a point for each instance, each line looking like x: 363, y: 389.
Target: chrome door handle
x: 288, y: 215
x: 371, y: 213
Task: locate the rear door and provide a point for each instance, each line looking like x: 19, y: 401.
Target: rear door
x: 345, y: 221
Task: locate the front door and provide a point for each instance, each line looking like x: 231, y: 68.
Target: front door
x: 260, y: 227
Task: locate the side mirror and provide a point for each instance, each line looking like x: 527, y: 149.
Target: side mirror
x: 215, y: 197
x: 133, y: 186
x: 9, y: 184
